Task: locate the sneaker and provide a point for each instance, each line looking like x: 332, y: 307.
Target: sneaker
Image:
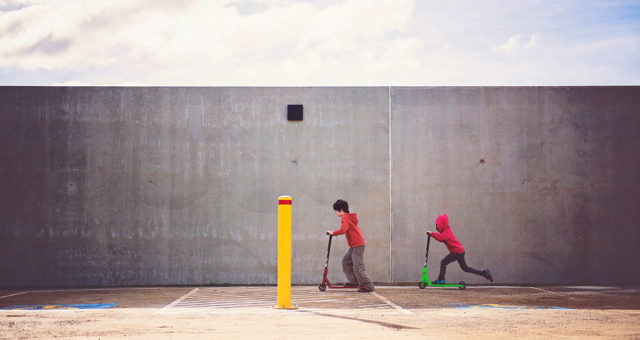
x: 438, y: 282
x: 487, y: 275
x: 365, y: 290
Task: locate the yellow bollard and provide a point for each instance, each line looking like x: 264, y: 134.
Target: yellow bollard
x: 284, y: 253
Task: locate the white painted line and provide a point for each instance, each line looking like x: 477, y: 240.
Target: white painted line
x: 223, y: 304
x: 552, y: 292
x: 496, y: 287
x: 547, y: 291
x: 91, y: 289
x: 590, y: 287
x: 165, y: 308
x: 2, y: 297
x: 385, y: 300
x: 468, y: 287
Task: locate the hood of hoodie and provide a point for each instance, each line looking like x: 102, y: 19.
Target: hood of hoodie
x: 353, y: 218
x: 442, y: 222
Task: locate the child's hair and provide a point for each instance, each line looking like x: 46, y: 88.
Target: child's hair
x: 341, y: 205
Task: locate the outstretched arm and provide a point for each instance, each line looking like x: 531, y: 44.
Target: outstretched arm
x: 343, y: 228
x: 438, y: 236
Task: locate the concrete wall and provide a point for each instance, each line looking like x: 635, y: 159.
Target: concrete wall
x: 541, y: 184
x: 154, y: 186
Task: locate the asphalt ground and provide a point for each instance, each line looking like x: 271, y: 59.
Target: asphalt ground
x: 391, y: 311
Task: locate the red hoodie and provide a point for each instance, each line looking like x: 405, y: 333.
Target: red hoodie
x: 351, y: 230
x: 446, y: 235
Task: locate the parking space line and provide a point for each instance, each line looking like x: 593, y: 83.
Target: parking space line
x: 385, y: 300
x: 6, y: 296
x: 178, y: 300
x: 212, y: 300
x: 554, y: 293
x: 414, y: 287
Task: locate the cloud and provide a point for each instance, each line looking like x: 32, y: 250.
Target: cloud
x: 84, y: 34
x: 316, y: 42
x: 514, y: 45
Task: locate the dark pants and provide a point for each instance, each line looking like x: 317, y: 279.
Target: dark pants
x: 353, y: 268
x: 463, y: 265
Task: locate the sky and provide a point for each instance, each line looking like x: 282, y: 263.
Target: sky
x: 319, y: 43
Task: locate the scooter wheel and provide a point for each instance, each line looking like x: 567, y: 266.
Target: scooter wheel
x: 462, y: 285
x: 322, y: 287
x: 422, y: 285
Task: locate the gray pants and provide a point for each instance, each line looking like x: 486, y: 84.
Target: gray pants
x: 353, y: 267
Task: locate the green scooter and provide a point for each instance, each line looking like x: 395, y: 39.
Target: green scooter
x: 425, y: 279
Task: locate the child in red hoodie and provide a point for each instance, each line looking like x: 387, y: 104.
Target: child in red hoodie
x: 353, y: 261
x: 456, y: 250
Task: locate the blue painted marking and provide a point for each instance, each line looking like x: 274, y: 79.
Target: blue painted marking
x: 63, y: 307
x: 501, y: 306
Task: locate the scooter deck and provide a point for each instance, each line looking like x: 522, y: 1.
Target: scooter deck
x: 339, y: 286
x: 427, y: 283
x: 326, y: 284
x: 325, y: 280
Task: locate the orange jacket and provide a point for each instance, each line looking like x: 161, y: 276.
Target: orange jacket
x: 351, y: 230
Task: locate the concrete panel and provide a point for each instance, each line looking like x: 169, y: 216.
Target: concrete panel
x: 148, y: 186
x: 540, y: 184
x: 154, y: 186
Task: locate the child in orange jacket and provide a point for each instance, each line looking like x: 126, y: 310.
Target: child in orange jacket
x: 353, y: 261
x: 456, y: 250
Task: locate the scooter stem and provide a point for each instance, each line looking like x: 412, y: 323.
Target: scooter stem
x: 426, y: 257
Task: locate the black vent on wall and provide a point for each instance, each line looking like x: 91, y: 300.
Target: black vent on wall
x: 294, y: 112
